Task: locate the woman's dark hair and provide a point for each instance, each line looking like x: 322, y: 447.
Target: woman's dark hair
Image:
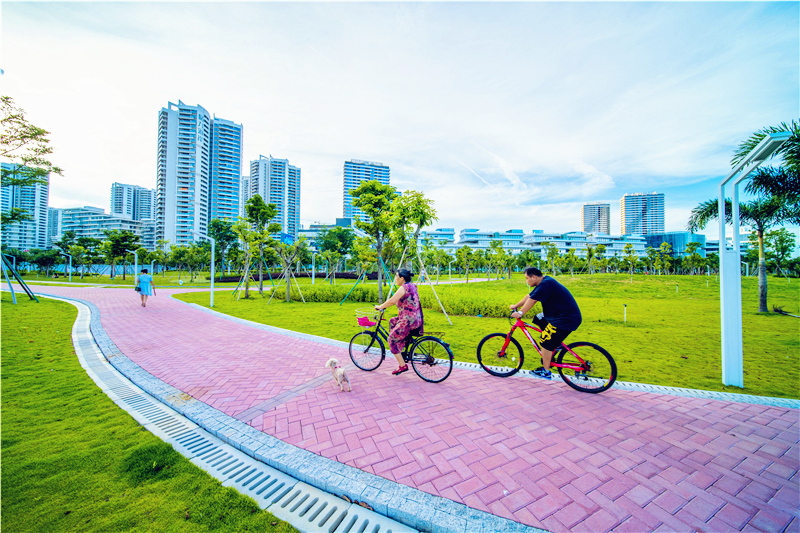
x: 144, y: 271
x: 531, y: 271
x: 405, y: 274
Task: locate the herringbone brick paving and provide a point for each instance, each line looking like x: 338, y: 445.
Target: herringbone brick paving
x: 529, y: 450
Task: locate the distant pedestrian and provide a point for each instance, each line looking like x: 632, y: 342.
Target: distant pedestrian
x: 145, y: 286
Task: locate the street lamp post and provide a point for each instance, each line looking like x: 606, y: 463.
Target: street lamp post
x: 450, y: 269
x: 213, y: 244
x: 70, y: 264
x: 135, y: 266
x: 730, y: 278
x: 313, y: 267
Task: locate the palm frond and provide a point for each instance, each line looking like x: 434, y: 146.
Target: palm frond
x: 790, y: 149
x: 705, y: 212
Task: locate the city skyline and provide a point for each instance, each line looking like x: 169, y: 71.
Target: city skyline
x: 518, y: 128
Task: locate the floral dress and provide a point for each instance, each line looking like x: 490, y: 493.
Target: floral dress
x: 409, y: 319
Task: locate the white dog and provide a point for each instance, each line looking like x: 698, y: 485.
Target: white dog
x: 339, y: 374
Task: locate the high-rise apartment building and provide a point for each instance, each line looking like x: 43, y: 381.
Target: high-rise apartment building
x: 198, y: 171
x: 54, y: 220
x: 642, y: 213
x: 28, y: 234
x: 355, y: 173
x: 244, y: 194
x: 226, y: 169
x: 595, y: 218
x: 278, y: 182
x: 132, y: 202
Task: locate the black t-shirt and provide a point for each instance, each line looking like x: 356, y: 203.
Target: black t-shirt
x: 558, y: 305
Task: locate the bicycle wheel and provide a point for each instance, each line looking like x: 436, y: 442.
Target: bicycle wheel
x: 366, y: 353
x: 495, y: 360
x: 432, y: 359
x: 598, y: 369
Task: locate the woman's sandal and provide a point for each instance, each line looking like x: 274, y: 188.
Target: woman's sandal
x: 400, y: 370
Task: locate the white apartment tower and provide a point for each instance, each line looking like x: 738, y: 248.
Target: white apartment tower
x: 642, y: 213
x: 132, y: 202
x: 183, y: 173
x: 28, y: 234
x: 278, y: 182
x: 595, y: 218
x: 355, y: 173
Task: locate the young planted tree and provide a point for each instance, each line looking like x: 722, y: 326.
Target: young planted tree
x: 375, y: 200
x: 222, y: 232
x: 251, y: 244
x: 465, y: 256
x: 630, y: 257
x: 117, y: 244
x: 692, y: 260
x: 665, y: 256
x: 364, y: 253
x: 411, y: 212
x: 335, y: 243
x: 570, y: 260
x: 781, y: 243
x: 289, y: 254
x: 552, y: 256
x: 259, y: 215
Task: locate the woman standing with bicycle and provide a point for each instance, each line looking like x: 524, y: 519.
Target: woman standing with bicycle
x: 409, y: 318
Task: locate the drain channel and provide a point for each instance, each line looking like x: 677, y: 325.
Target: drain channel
x: 305, y: 507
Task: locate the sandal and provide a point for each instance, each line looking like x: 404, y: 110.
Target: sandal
x: 400, y: 370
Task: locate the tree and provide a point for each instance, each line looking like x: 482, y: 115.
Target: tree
x: 782, y: 243
x: 465, y: 255
x: 665, y: 256
x: 26, y: 146
x: 222, y: 233
x: 570, y: 260
x: 552, y: 255
x: 259, y: 214
x: 590, y: 253
x: 496, y: 255
x: 160, y: 255
x: 45, y: 259
x: 411, y: 210
x: 78, y: 254
x: 526, y: 258
x: 335, y: 243
x: 288, y: 254
x: 630, y: 257
x: 67, y: 240
x: 760, y: 214
x: 375, y: 200
x: 599, y: 253
x: 364, y: 252
x: 243, y: 229
x: 693, y: 260
x: 118, y: 242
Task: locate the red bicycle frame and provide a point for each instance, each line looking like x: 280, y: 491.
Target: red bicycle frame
x: 525, y: 327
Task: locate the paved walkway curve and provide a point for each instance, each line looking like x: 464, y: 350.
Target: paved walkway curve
x: 532, y: 451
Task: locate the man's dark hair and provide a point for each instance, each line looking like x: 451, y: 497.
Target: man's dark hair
x: 405, y: 274
x: 532, y: 271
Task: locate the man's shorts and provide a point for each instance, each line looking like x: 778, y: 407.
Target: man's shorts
x: 551, y: 336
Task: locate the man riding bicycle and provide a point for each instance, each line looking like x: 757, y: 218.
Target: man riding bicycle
x: 560, y: 314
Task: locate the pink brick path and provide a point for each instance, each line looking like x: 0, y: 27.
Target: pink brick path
x: 533, y: 451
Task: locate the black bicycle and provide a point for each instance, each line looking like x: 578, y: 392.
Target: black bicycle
x: 430, y: 356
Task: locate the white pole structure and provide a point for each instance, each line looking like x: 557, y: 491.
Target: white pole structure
x: 730, y: 275
x: 450, y: 270
x: 70, y: 264
x: 135, y: 266
x: 313, y: 266
x: 213, y: 244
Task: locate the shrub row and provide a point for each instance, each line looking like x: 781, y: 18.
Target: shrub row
x: 320, y: 275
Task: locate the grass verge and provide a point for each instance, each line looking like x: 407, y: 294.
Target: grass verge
x: 74, y: 461
x: 671, y: 336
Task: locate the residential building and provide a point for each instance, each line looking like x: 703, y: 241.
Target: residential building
x: 33, y: 199
x: 278, y: 182
x: 595, y: 218
x: 538, y: 241
x: 678, y: 240
x: 198, y: 172
x: 54, y: 217
x: 93, y: 222
x: 244, y: 194
x: 132, y: 201
x: 642, y: 213
x: 355, y: 173
x: 312, y: 232
x: 512, y: 240
x: 226, y: 169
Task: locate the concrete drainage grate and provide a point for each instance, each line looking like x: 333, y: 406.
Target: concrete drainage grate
x: 306, y: 508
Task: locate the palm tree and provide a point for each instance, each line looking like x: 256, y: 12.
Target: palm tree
x: 761, y: 214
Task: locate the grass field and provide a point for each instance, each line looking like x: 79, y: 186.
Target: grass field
x: 671, y: 337
x: 74, y: 461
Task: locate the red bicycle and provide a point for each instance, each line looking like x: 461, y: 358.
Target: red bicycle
x: 584, y: 366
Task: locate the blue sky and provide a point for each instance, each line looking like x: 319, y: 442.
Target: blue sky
x: 508, y: 115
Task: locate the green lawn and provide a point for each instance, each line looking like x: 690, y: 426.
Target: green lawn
x: 671, y: 337
x: 74, y: 461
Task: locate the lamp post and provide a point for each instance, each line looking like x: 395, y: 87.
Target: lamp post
x: 313, y: 266
x: 135, y: 265
x: 730, y: 278
x: 70, y: 264
x: 450, y: 269
x: 213, y: 244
